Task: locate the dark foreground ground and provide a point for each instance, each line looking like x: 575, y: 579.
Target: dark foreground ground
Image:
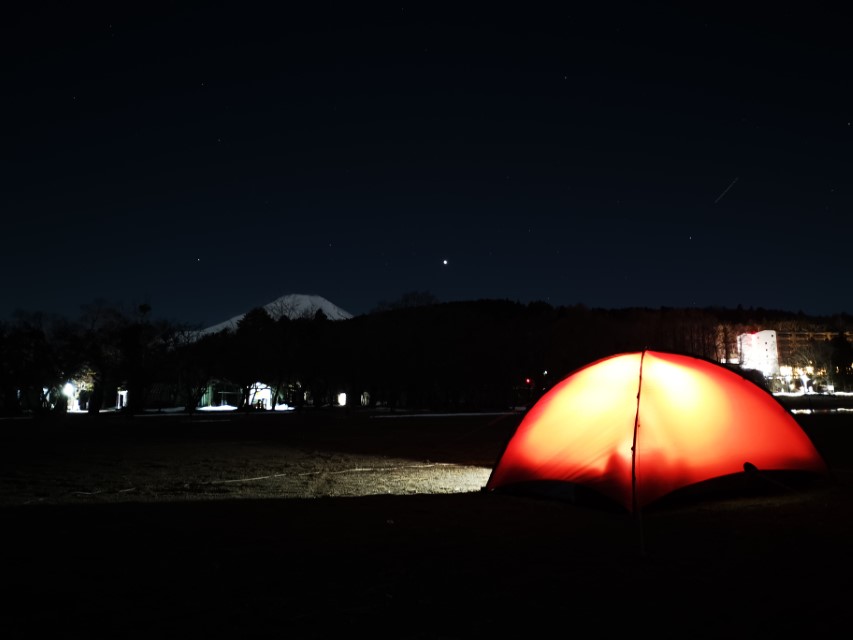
x: 420, y: 565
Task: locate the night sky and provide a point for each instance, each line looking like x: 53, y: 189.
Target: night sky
x: 211, y: 157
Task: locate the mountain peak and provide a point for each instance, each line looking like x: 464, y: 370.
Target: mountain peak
x: 293, y: 306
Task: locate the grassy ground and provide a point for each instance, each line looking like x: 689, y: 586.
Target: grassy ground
x: 414, y: 565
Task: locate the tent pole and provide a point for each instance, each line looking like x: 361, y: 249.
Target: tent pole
x: 635, y: 499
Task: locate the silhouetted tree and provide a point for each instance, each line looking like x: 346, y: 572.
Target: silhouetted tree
x: 144, y: 345
x: 41, y: 355
x: 841, y: 362
x: 408, y: 300
x: 248, y: 358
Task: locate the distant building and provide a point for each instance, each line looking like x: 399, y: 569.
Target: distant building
x: 792, y: 343
x: 759, y: 351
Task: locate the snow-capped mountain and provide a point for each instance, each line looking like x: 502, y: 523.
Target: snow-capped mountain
x: 293, y: 305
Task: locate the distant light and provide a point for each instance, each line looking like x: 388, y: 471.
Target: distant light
x: 444, y: 261
x: 342, y: 399
x: 68, y: 390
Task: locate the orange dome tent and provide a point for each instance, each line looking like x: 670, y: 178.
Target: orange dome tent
x: 635, y: 427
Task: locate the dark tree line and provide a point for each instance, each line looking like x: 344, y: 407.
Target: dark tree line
x: 419, y: 354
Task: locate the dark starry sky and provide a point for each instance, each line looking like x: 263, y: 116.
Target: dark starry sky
x: 206, y: 158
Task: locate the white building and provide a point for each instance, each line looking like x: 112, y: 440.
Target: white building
x: 758, y: 351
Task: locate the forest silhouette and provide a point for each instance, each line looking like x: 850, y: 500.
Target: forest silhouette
x: 417, y: 354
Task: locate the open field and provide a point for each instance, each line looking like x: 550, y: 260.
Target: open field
x: 327, y: 523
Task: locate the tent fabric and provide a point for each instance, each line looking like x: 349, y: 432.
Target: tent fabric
x: 637, y: 426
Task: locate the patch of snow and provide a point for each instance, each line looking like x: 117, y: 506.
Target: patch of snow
x: 293, y: 306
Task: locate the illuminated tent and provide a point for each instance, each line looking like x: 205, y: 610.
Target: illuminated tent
x: 635, y: 427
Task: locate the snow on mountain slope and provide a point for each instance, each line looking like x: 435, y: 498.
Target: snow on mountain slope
x: 293, y: 305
